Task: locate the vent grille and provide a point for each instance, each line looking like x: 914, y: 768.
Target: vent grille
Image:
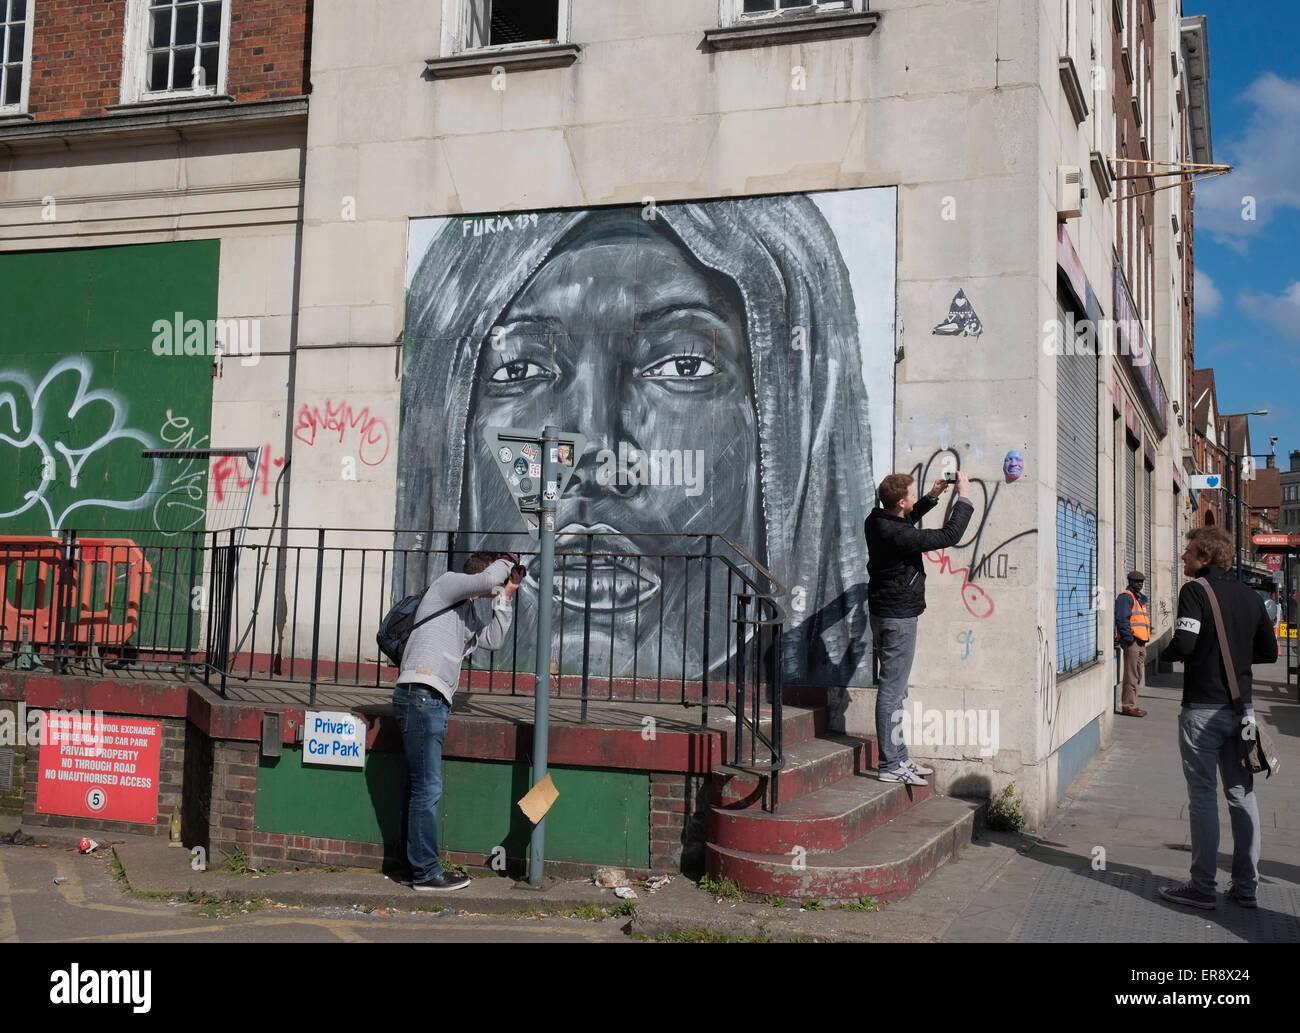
x: 6, y: 768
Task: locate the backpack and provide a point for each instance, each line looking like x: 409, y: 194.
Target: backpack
x: 397, y: 625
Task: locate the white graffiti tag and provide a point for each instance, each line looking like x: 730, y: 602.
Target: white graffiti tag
x: 32, y: 418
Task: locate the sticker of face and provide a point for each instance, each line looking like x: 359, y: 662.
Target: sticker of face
x: 1013, y: 466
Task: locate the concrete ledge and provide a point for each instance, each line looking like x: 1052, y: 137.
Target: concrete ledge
x: 791, y: 29
x: 222, y: 114
x: 548, y: 55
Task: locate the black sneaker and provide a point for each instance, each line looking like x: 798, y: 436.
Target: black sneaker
x: 441, y: 883
x: 1190, y: 896
x: 1240, y: 899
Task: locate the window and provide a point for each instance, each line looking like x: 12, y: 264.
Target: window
x: 175, y: 48
x: 15, y: 54
x: 778, y: 6
x: 508, y: 23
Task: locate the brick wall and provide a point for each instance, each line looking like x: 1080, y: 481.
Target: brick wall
x: 234, y: 789
x: 77, y: 53
x: 274, y: 849
x: 171, y: 771
x: 12, y: 799
x: 678, y: 822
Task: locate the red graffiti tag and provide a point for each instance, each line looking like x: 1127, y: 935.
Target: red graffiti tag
x: 226, y: 467
x: 977, y: 601
x: 375, y: 437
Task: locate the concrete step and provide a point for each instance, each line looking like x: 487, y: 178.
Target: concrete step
x: 888, y: 863
x: 810, y: 765
x: 798, y: 724
x: 825, y: 820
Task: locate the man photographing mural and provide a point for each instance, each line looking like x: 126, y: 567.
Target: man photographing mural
x: 447, y: 628
x: 896, y: 598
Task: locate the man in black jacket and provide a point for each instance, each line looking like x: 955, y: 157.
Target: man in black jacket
x: 896, y: 598
x: 1209, y: 726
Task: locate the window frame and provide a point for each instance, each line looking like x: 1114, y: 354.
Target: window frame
x: 135, y: 59
x: 455, y: 24
x: 24, y: 92
x: 732, y: 13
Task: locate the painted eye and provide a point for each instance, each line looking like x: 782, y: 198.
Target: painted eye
x: 519, y: 371
x: 688, y: 367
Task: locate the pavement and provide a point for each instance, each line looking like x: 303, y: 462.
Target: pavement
x: 1120, y: 833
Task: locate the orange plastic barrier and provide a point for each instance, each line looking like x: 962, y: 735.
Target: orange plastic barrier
x: 31, y: 565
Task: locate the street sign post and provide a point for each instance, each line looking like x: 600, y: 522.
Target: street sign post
x: 536, y: 468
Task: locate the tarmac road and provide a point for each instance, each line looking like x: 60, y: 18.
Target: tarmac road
x: 92, y: 907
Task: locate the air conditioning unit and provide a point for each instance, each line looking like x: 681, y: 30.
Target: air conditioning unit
x: 1069, y: 191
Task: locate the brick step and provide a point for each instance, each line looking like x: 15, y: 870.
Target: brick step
x: 826, y: 820
x: 887, y: 863
x: 798, y: 725
x: 810, y: 765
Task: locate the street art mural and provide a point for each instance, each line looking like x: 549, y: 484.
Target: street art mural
x: 730, y: 365
x: 961, y: 319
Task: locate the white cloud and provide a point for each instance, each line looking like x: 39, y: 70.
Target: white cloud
x: 1208, y: 298
x: 1280, y: 311
x: 1265, y: 158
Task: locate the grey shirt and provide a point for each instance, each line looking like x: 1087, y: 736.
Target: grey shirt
x: 436, y: 650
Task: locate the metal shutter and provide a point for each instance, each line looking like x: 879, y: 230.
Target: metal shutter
x: 1146, y: 528
x: 1076, y: 506
x: 1131, y: 502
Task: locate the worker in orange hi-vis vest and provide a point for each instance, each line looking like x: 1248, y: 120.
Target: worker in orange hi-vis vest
x: 1133, y: 632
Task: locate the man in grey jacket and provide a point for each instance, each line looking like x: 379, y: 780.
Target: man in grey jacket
x: 426, y: 684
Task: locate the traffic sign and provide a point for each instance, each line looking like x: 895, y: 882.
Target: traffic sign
x: 518, y: 455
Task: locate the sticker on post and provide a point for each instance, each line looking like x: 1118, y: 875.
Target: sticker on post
x: 529, y: 452
x: 505, y: 455
x: 550, y: 491
x: 562, y: 455
x: 534, y: 470
x: 538, y: 800
x: 521, y: 466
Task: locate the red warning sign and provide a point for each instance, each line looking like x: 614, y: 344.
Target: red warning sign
x: 99, y: 767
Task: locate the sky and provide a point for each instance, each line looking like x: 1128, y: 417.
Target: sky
x: 1247, y: 271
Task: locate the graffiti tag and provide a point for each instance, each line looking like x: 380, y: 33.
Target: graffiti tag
x: 374, y: 437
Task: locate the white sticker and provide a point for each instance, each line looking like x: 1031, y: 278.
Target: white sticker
x: 1188, y: 624
x: 534, y: 469
x: 505, y: 455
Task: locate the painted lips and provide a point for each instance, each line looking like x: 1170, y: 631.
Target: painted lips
x: 620, y: 579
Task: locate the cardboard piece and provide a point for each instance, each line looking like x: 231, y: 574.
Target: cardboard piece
x: 538, y: 800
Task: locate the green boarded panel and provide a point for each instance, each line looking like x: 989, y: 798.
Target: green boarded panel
x: 78, y: 368
x: 601, y: 817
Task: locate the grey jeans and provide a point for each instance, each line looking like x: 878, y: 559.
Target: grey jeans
x: 1207, y: 739
x: 895, y: 643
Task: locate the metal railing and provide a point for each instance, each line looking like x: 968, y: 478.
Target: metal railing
x: 694, y: 623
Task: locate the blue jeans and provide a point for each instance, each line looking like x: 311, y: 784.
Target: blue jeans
x: 895, y: 643
x: 1207, y: 739
x: 422, y: 717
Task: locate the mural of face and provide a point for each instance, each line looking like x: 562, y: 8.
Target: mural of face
x: 624, y: 338
x: 1013, y: 466
x: 719, y: 340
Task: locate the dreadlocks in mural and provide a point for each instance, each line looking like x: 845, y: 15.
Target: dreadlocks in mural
x: 720, y: 338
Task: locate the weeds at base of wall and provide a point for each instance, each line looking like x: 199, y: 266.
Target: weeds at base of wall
x: 1005, y: 813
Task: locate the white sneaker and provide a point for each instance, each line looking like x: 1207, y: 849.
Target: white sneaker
x: 920, y: 769
x: 903, y: 774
